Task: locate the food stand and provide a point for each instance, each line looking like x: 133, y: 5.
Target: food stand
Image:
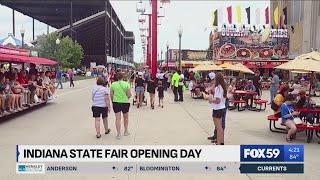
x: 261, y: 49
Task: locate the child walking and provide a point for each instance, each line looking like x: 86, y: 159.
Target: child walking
x: 160, y: 90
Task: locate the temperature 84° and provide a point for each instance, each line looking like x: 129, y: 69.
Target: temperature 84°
x: 221, y: 168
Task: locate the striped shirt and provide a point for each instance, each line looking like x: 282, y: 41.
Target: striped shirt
x: 98, y: 94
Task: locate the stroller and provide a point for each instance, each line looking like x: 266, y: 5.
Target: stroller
x: 144, y: 99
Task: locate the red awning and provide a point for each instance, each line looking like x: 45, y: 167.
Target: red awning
x: 26, y: 59
x: 268, y: 66
x: 251, y: 66
x: 10, y: 58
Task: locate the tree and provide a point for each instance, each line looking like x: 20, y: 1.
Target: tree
x: 68, y: 53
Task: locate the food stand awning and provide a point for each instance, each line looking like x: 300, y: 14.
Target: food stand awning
x: 251, y: 66
x: 268, y: 66
x: 25, y: 59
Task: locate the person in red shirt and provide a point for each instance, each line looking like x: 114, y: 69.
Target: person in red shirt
x: 23, y: 81
x: 22, y: 77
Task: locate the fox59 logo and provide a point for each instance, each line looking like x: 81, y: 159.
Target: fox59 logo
x: 256, y: 153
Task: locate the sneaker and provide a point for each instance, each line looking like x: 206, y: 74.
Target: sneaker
x: 118, y: 137
x: 212, y: 138
x: 126, y: 133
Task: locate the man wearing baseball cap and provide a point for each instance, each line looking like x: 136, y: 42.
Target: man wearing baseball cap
x: 211, y: 75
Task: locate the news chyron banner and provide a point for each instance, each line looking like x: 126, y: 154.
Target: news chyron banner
x: 262, y: 159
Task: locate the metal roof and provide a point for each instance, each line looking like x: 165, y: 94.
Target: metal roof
x: 57, y: 13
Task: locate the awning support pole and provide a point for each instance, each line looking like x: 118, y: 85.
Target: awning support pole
x: 33, y: 29
x: 13, y: 24
x: 71, y: 19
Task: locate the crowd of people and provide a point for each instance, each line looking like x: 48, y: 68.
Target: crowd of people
x: 21, y: 89
x: 218, y: 89
x: 286, y: 103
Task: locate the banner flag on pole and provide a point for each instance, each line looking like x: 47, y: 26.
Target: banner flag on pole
x: 229, y: 9
x: 257, y: 16
x: 215, y: 18
x: 238, y: 10
x: 266, y: 15
x: 276, y: 16
x: 248, y: 14
x: 285, y: 19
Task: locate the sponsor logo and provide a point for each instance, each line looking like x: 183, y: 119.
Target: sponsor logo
x: 30, y: 168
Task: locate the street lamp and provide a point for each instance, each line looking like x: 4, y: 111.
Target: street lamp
x: 58, y: 41
x: 180, y: 30
x: 22, y: 31
x: 167, y: 55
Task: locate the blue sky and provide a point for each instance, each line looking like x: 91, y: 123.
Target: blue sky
x: 194, y: 17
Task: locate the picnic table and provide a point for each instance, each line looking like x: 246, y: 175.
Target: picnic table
x: 240, y: 94
x: 309, y: 129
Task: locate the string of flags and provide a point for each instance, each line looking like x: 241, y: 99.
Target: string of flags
x: 280, y: 18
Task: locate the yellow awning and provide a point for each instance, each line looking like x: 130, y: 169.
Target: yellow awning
x: 207, y: 67
x: 244, y: 68
x: 305, y: 62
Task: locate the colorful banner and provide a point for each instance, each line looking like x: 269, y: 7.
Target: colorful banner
x: 229, y: 10
x: 248, y: 14
x: 266, y: 15
x: 276, y: 16
x: 285, y: 14
x: 215, y: 18
x: 238, y: 10
x: 257, y: 16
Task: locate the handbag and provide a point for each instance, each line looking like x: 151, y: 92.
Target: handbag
x: 296, y: 120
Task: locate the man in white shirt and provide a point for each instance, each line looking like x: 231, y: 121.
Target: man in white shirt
x: 180, y: 87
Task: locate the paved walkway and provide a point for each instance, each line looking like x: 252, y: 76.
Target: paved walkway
x: 68, y: 120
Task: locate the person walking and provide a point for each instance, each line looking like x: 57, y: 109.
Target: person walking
x: 151, y: 88
x: 71, y: 76
x: 175, y: 84
x: 160, y: 89
x: 100, y: 105
x: 59, y: 76
x: 120, y: 94
x: 275, y: 82
x: 257, y: 83
x: 180, y: 86
x: 139, y: 89
x: 217, y: 102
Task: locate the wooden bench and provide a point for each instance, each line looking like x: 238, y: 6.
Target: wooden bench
x: 272, y: 124
x: 260, y: 102
x: 240, y: 104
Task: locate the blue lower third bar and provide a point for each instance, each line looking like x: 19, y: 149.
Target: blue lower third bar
x: 272, y: 168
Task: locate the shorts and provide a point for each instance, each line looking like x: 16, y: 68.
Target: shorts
x: 218, y: 113
x: 258, y: 91
x: 99, y: 111
x: 140, y: 89
x: 120, y: 107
